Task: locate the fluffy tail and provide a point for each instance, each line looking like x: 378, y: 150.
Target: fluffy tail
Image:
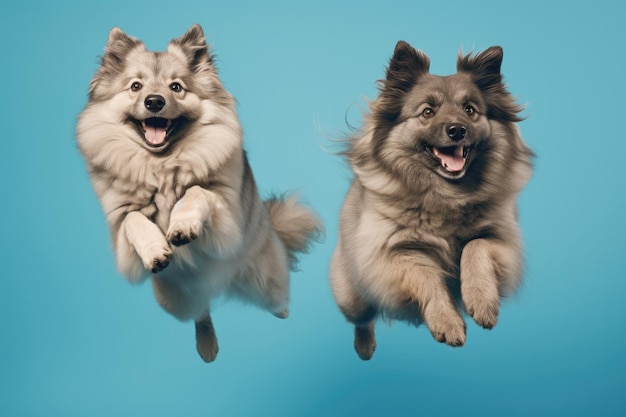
x: 296, y: 226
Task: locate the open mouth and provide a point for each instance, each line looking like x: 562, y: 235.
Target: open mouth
x: 453, y: 159
x: 155, y: 130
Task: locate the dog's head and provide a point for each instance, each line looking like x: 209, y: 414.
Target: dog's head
x: 438, y: 122
x: 158, y: 94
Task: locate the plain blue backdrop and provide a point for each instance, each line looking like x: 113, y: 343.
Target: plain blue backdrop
x: 78, y: 340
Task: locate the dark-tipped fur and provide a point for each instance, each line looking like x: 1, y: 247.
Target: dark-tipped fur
x: 405, y: 67
x: 429, y: 225
x: 193, y: 43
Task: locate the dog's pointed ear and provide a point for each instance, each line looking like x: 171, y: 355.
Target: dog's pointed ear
x: 194, y: 47
x: 112, y: 62
x: 117, y: 36
x: 118, y: 46
x: 405, y: 66
x: 484, y: 69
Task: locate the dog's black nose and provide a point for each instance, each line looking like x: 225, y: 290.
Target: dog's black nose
x: 456, y: 131
x: 154, y: 103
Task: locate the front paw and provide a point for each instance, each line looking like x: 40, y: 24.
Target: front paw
x: 183, y: 231
x: 483, y: 309
x: 158, y: 258
x: 448, y: 329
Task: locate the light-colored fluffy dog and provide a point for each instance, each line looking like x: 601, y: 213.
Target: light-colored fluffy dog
x: 163, y: 145
x: 429, y: 225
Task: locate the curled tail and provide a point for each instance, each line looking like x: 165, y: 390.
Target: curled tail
x: 296, y: 226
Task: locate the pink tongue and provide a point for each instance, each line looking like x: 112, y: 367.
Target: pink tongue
x: 155, y: 135
x: 452, y: 163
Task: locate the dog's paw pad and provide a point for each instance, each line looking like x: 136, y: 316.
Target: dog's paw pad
x: 182, y: 233
x: 159, y: 260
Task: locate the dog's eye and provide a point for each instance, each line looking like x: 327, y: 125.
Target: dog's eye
x: 469, y: 109
x: 176, y: 87
x: 428, y: 112
x: 136, y: 86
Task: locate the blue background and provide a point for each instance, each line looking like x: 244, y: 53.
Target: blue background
x: 77, y: 340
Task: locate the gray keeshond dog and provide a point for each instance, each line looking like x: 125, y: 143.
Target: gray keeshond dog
x: 429, y: 225
x: 163, y: 146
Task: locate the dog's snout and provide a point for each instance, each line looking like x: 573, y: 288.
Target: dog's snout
x: 456, y: 131
x: 154, y: 103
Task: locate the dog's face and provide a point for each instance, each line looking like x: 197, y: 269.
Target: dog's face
x: 443, y: 123
x: 434, y: 122
x: 157, y: 94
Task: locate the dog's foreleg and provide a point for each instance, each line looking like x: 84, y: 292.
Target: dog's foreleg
x: 414, y: 280
x: 147, y: 240
x: 427, y: 286
x: 489, y: 270
x: 206, y: 213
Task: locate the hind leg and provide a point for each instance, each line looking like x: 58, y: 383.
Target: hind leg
x: 365, y: 341
x: 185, y: 302
x: 362, y: 315
x: 206, y: 341
x: 356, y: 310
x: 188, y: 303
x: 266, y: 282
